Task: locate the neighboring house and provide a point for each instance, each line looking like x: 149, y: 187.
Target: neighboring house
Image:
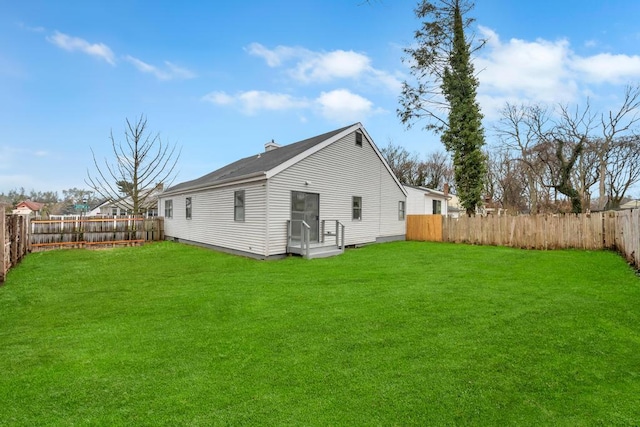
x: 454, y: 207
x: 124, y: 205
x: 256, y: 206
x: 631, y: 204
x: 29, y: 208
x: 426, y: 201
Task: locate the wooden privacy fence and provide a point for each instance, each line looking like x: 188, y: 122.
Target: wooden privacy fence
x: 94, y: 232
x: 424, y: 227
x: 619, y: 230
x: 14, y: 241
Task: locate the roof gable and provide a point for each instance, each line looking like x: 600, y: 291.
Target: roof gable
x: 34, y: 206
x: 269, y: 163
x: 254, y: 165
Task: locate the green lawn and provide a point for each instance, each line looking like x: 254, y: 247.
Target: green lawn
x: 401, y: 333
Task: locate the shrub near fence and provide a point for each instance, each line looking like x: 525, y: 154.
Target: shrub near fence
x: 94, y: 232
x: 14, y: 241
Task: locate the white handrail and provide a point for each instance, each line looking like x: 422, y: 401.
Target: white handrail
x: 305, y: 235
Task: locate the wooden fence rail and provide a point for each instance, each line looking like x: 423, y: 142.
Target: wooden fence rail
x: 618, y: 231
x: 14, y: 241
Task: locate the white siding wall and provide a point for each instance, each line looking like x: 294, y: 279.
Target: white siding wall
x: 421, y: 203
x: 339, y: 172
x: 212, y: 221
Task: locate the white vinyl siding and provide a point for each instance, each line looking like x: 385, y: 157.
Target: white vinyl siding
x: 213, y: 222
x: 420, y: 202
x: 338, y: 172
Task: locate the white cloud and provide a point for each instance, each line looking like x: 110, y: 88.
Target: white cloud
x: 322, y: 67
x: 536, y: 70
x: 73, y: 44
x: 277, y: 56
x: 542, y: 71
x: 219, y: 98
x: 254, y: 101
x: 30, y: 28
x: 342, y: 105
x: 339, y: 105
x: 605, y: 67
x: 171, y: 72
x: 179, y: 72
x: 338, y: 64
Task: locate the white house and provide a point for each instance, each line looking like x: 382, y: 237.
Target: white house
x: 29, y: 208
x: 328, y: 191
x: 426, y: 201
x: 124, y: 205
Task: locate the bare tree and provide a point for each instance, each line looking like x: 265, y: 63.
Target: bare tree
x: 438, y: 170
x: 405, y: 165
x: 506, y: 181
x: 614, y: 125
x: 143, y: 162
x: 623, y: 169
x: 517, y: 132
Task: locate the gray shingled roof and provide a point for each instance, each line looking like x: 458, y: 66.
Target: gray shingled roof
x: 261, y: 162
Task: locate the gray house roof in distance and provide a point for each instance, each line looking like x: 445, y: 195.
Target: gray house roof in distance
x: 250, y: 166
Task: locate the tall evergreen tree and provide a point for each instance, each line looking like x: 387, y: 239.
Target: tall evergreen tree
x: 464, y: 136
x: 445, y: 92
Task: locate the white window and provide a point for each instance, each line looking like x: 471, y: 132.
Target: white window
x: 187, y: 206
x: 401, y: 210
x: 437, y: 207
x: 356, y: 208
x: 238, y: 205
x: 168, y: 208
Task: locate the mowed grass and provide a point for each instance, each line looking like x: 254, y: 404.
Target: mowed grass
x: 401, y: 333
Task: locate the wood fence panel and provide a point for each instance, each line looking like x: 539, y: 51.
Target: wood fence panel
x: 602, y: 230
x: 94, y: 232
x: 4, y: 246
x: 424, y: 227
x: 14, y: 242
x: 628, y: 235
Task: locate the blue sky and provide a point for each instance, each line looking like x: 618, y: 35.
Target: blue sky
x: 220, y: 79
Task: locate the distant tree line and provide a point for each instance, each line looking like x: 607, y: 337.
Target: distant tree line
x: 543, y: 159
x: 54, y: 203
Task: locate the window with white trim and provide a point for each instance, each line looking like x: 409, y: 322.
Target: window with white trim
x: 356, y: 208
x: 401, y: 210
x: 187, y: 205
x: 437, y: 207
x: 168, y: 208
x: 238, y: 205
x: 359, y: 139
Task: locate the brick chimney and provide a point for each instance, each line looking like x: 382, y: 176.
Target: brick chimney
x: 445, y: 189
x: 271, y: 145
